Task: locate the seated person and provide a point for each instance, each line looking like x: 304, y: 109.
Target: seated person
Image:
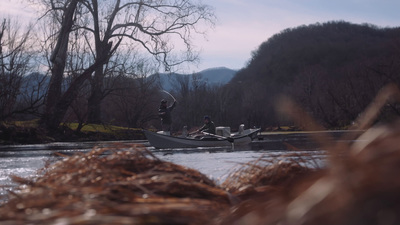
x: 208, y: 126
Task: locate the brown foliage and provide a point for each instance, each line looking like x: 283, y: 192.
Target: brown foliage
x: 129, y: 186
x: 279, y: 172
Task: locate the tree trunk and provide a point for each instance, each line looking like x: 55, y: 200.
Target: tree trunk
x: 57, y: 104
x: 97, y: 91
x: 70, y: 95
x: 94, y: 101
x: 58, y: 59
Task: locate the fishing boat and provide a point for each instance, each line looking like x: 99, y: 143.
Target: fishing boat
x: 222, y: 138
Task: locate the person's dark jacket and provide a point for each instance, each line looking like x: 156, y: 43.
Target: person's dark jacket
x: 208, y: 127
x: 165, y: 113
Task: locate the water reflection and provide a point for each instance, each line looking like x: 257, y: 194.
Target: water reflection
x: 216, y: 163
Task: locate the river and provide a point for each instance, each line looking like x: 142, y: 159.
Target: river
x: 25, y: 160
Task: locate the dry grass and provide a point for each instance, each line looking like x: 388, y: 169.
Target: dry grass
x: 129, y: 186
x: 279, y: 171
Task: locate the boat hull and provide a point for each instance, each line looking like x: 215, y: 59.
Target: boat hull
x: 166, y: 141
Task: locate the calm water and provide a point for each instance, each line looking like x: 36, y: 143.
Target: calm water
x: 217, y: 163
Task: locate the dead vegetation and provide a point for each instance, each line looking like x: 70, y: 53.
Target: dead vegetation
x: 126, y: 184
x: 276, y: 173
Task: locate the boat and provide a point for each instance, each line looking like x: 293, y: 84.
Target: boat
x: 161, y: 140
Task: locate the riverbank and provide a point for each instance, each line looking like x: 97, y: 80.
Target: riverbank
x: 32, y: 134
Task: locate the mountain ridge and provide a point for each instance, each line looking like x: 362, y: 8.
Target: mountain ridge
x: 211, y: 76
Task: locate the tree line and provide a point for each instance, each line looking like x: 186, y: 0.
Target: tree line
x: 333, y: 70
x: 95, y: 56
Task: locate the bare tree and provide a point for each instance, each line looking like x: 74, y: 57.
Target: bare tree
x: 155, y: 26
x: 15, y: 63
x: 57, y: 103
x: 132, y: 107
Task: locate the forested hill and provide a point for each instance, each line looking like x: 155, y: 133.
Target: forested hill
x: 332, y: 69
x: 329, y: 45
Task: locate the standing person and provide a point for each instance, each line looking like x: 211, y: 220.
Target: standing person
x: 208, y: 126
x: 164, y: 112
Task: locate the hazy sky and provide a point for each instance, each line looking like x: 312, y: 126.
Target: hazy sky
x: 244, y: 24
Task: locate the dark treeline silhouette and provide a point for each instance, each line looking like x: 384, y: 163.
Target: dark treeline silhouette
x: 332, y: 70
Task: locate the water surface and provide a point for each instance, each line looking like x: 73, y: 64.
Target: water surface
x: 25, y: 160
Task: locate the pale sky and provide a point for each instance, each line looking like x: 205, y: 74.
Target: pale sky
x: 244, y: 24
